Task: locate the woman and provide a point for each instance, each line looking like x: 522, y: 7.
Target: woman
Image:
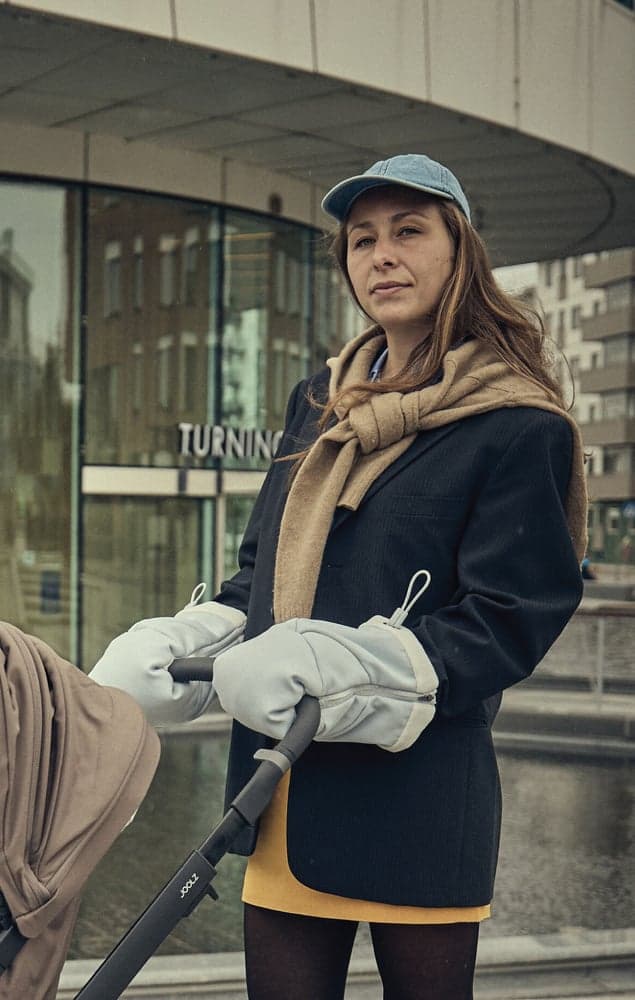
x: 438, y: 442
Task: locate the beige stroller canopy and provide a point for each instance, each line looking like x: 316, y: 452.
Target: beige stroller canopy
x: 76, y: 760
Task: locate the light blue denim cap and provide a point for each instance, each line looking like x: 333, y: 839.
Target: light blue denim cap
x: 412, y: 170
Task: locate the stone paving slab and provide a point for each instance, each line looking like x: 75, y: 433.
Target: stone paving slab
x: 578, y: 965
x: 575, y: 721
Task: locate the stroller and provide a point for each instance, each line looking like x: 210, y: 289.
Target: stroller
x: 34, y: 944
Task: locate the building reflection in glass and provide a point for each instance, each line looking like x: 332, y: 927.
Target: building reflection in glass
x: 38, y: 408
x: 151, y: 322
x: 266, y: 306
x: 141, y: 560
x: 191, y: 314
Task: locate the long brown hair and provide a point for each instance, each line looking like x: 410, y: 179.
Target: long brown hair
x: 471, y: 304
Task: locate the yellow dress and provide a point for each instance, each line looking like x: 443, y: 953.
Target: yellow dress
x: 270, y: 883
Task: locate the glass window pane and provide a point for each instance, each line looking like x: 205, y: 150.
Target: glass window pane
x: 616, y: 350
x: 237, y: 513
x: 151, y: 277
x: 620, y: 294
x: 336, y: 318
x: 39, y: 249
x: 141, y: 559
x: 265, y: 336
x: 614, y: 404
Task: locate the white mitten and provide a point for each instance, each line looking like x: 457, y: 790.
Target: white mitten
x: 375, y: 683
x: 137, y: 660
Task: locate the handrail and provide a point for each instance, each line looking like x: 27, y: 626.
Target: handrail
x: 598, y: 677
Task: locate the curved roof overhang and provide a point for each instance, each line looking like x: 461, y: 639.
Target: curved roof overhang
x: 531, y: 199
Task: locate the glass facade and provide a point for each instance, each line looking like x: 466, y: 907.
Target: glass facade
x: 39, y: 409
x: 266, y: 317
x: 141, y: 558
x: 151, y: 278
x: 237, y: 513
x: 144, y: 341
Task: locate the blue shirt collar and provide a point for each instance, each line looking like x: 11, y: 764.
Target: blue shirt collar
x: 378, y: 366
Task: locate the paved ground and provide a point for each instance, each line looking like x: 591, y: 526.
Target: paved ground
x: 593, y: 965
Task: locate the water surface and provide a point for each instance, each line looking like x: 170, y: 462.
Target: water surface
x: 566, y: 858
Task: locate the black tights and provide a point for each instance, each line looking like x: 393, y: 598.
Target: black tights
x: 291, y: 957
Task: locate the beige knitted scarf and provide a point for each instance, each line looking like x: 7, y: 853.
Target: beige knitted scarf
x: 346, y: 459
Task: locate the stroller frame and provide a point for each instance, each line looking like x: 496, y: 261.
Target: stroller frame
x: 193, y: 880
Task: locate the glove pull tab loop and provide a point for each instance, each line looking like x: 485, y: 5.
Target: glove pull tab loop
x: 197, y: 593
x: 400, y: 614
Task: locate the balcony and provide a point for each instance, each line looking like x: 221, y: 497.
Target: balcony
x: 616, y: 486
x: 619, y: 430
x: 620, y: 264
x: 605, y: 379
x: 608, y: 324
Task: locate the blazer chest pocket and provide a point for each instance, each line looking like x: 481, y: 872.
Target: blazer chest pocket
x: 416, y: 505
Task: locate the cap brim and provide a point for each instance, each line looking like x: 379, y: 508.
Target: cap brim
x: 337, y: 203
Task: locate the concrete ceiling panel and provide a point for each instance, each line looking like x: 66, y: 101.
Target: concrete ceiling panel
x: 343, y: 163
x: 128, y: 120
x: 44, y: 109
x: 395, y: 133
x: 289, y: 151
x: 340, y: 107
x: 247, y: 88
x: 19, y: 65
x: 31, y: 46
x: 208, y: 136
x: 118, y: 71
x: 26, y: 30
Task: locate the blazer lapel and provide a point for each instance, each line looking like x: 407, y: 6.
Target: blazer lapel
x: 422, y: 443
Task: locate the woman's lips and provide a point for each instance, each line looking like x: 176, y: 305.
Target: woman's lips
x: 386, y: 290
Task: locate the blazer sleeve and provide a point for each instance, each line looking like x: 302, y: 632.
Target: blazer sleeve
x: 519, y: 578
x: 235, y: 591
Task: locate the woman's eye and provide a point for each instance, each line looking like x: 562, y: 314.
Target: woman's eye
x: 408, y: 230
x: 363, y: 241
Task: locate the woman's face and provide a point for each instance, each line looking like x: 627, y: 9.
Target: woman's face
x: 399, y: 257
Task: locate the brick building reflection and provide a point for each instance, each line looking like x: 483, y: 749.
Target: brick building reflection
x: 155, y: 324
x: 35, y: 438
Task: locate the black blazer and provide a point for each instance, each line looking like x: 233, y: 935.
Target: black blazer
x: 478, y: 503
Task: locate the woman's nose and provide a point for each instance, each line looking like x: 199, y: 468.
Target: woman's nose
x: 383, y: 253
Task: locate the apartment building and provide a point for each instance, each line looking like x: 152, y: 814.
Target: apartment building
x: 589, y: 308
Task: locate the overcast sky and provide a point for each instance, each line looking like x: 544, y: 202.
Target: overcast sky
x: 517, y: 277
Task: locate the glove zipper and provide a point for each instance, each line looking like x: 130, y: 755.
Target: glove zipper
x: 369, y: 689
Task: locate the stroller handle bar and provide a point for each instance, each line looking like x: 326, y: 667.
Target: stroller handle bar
x: 305, y: 724
x: 192, y: 668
